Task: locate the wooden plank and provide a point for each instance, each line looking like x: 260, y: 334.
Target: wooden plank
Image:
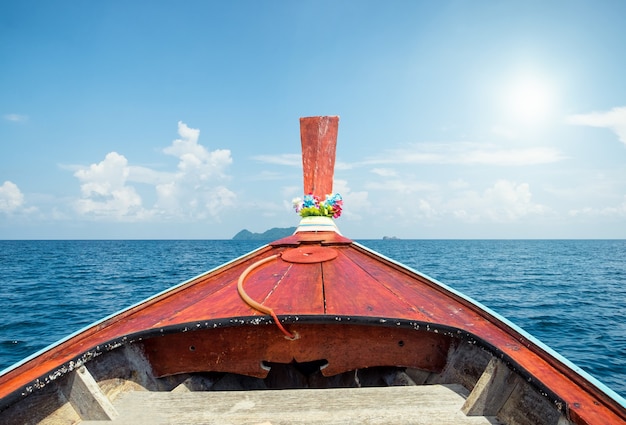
x: 88, y: 400
x: 465, y: 365
x: 215, y: 298
x: 350, y: 290
x: 426, y: 298
x: 432, y: 404
x: 492, y: 390
x: 298, y: 291
x: 346, y: 347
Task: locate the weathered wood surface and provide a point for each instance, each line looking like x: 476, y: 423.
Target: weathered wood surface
x: 492, y: 390
x: 87, y: 398
x: 319, y: 140
x: 344, y: 346
x: 430, y: 404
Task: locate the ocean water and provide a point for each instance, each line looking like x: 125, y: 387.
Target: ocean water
x: 569, y: 294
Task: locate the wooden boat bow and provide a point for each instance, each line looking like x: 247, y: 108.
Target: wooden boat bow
x: 354, y: 317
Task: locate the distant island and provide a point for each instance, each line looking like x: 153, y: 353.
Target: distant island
x: 386, y: 238
x: 268, y: 235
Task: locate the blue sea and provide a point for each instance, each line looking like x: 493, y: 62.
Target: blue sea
x: 570, y: 294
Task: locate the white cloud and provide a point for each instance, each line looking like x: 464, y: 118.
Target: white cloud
x: 426, y: 210
x: 353, y: 202
x: 505, y: 201
x: 617, y: 211
x: 290, y: 159
x: 339, y: 165
x: 11, y: 198
x: 458, y: 184
x: 16, y: 117
x: 177, y: 199
x: 467, y: 154
x: 409, y: 155
x: 104, y: 189
x: 615, y: 120
x: 268, y: 175
x: 384, y: 172
x: 510, y: 157
x: 102, y: 178
x: 140, y: 174
x: 403, y: 186
x: 195, y: 161
x: 219, y: 199
x: 291, y: 191
x: 190, y: 192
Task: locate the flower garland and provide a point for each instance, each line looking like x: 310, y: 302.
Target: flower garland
x: 312, y: 205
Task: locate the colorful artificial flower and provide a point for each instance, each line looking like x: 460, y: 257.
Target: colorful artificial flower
x: 312, y: 205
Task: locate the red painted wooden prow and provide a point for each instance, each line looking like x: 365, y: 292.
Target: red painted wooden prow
x: 319, y: 142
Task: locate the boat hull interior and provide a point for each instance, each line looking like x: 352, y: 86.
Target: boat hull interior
x: 249, y: 353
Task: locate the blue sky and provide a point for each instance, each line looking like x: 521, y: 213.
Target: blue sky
x: 459, y: 119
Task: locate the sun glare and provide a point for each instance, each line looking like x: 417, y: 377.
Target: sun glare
x: 530, y: 99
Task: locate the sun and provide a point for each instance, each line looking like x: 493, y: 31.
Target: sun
x: 530, y: 99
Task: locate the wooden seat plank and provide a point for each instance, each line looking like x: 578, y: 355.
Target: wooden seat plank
x: 425, y: 404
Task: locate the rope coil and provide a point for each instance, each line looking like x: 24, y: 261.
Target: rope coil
x: 255, y: 305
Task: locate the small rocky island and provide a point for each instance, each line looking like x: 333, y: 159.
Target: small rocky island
x: 268, y: 235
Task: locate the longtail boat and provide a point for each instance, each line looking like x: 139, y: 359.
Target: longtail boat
x: 311, y: 328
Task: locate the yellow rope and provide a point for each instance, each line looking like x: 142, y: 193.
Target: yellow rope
x: 256, y: 305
